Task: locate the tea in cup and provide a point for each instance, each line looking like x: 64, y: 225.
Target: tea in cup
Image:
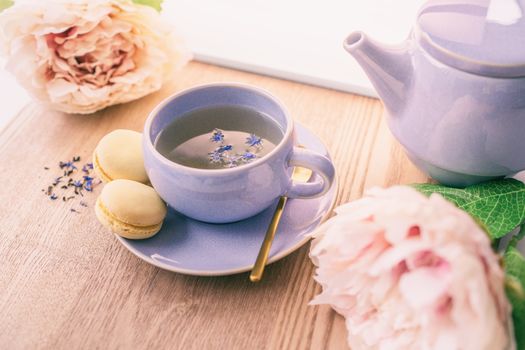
x: 224, y: 152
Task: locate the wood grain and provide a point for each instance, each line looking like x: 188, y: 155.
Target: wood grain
x: 66, y: 283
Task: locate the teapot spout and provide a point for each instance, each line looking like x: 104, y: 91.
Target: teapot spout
x: 389, y: 68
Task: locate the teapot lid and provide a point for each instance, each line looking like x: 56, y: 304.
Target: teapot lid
x: 484, y: 37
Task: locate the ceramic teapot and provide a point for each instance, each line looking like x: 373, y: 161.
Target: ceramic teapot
x: 454, y: 92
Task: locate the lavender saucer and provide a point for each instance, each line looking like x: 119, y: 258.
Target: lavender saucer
x: 192, y: 247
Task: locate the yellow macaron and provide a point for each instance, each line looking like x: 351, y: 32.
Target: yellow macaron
x: 118, y: 155
x: 130, y: 209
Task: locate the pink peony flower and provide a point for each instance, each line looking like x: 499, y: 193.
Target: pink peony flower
x: 80, y: 56
x: 411, y: 272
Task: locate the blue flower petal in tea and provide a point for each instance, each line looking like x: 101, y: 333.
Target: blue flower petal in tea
x: 217, y: 136
x: 254, y: 141
x: 224, y: 148
x: 220, y: 154
x: 215, y: 156
x: 223, y: 155
x: 248, y: 156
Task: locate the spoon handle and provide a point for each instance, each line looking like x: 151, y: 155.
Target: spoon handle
x: 262, y: 258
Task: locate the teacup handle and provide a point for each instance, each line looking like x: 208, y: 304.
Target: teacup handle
x: 320, y: 165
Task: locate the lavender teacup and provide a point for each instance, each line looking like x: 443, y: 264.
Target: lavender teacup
x: 236, y: 193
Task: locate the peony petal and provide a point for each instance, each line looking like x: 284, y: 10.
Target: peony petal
x: 439, y: 286
x: 393, y: 256
x: 423, y: 287
x: 60, y: 87
x: 82, y: 55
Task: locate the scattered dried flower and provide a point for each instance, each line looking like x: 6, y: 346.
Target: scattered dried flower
x: 87, y: 182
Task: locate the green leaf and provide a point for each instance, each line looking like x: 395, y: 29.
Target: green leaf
x: 515, y: 285
x: 497, y: 205
x: 156, y: 4
x: 5, y: 4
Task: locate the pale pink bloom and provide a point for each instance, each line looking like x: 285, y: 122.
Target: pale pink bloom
x: 79, y: 56
x: 411, y: 272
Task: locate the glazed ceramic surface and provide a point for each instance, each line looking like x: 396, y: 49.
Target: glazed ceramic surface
x: 193, y: 247
x: 228, y: 195
x: 455, y: 91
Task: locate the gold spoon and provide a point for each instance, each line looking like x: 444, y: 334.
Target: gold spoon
x: 299, y: 175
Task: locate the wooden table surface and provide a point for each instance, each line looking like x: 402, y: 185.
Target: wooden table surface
x: 67, y: 283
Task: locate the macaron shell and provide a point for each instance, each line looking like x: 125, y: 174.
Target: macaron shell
x: 98, y: 170
x: 123, y: 229
x: 133, y: 203
x: 119, y: 156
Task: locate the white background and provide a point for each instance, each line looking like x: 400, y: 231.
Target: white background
x: 12, y: 96
x: 293, y: 39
